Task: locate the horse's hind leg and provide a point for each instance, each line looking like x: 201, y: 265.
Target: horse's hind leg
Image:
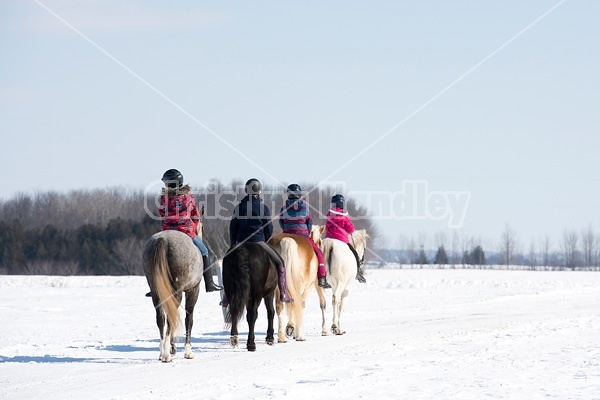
x: 341, y: 330
x: 171, y: 335
x: 270, y: 317
x: 291, y: 324
x: 178, y: 296
x: 161, y: 322
x: 233, y: 338
x: 323, y: 305
x: 281, y: 338
x: 251, y: 315
x: 191, y: 296
x: 299, y: 313
x: 336, y: 302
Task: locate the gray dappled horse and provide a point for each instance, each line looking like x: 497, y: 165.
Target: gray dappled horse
x: 173, y: 266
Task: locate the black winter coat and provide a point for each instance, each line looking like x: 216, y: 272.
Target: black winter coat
x: 251, y: 221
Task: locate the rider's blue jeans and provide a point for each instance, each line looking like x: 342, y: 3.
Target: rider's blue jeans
x: 199, y: 244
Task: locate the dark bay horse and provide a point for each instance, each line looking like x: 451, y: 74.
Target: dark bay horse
x: 249, y: 276
x: 173, y: 266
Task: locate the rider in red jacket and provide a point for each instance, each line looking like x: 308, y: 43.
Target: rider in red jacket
x: 179, y: 212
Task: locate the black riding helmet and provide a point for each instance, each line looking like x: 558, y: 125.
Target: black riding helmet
x: 253, y: 187
x: 294, y: 191
x: 338, y: 200
x: 173, y: 178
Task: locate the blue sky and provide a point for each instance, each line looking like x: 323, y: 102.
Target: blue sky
x: 295, y: 91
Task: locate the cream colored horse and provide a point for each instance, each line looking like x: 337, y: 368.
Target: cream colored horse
x: 341, y: 272
x: 301, y: 275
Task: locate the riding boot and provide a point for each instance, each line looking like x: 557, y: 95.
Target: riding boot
x: 283, y: 292
x: 359, y: 275
x: 208, y: 279
x: 323, y: 283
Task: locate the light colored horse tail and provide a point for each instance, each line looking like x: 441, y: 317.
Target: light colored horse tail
x: 293, y: 267
x: 162, y: 284
x: 326, y: 249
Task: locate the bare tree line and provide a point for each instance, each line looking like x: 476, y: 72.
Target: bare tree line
x: 573, y: 249
x: 103, y: 231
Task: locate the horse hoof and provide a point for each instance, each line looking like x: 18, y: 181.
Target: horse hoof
x: 300, y: 339
x: 189, y: 356
x: 335, y: 330
x: 270, y: 341
x: 324, y: 333
x: 289, y: 331
x: 233, y: 341
x: 251, y: 347
x: 173, y: 350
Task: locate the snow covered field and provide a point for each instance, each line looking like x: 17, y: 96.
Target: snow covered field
x: 412, y: 334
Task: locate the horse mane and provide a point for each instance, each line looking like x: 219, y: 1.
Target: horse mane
x: 360, y: 237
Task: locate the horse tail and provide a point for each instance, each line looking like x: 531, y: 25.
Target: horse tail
x: 162, y: 284
x: 236, y: 281
x: 327, y: 246
x: 289, y: 252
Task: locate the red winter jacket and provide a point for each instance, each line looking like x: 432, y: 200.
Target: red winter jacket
x: 179, y: 211
x: 338, y: 225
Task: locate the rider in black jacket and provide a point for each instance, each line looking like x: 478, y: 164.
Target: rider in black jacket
x: 251, y: 222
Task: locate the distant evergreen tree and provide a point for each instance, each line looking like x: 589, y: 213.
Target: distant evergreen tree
x: 477, y: 256
x: 466, y: 258
x: 422, y: 257
x: 441, y: 257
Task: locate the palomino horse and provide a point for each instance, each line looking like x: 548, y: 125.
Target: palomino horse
x: 341, y: 272
x: 249, y: 276
x: 301, y: 274
x: 173, y: 266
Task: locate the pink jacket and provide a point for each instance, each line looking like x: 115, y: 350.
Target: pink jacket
x: 338, y: 225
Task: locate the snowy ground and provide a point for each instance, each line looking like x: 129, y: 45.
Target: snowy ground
x: 412, y: 334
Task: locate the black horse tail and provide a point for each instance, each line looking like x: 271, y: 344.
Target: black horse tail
x: 236, y: 282
x: 161, y: 278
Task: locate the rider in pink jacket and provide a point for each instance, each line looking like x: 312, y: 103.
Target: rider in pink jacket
x: 339, y: 226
